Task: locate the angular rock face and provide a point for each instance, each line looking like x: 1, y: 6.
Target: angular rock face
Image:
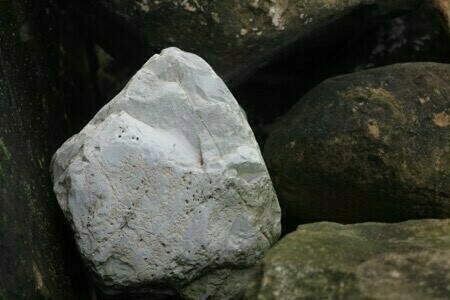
x: 235, y: 36
x: 368, y: 146
x: 409, y: 260
x: 167, y: 183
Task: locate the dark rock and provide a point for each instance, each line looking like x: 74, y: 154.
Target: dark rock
x: 235, y: 37
x: 368, y: 146
x: 38, y: 259
x: 414, y: 37
x: 409, y: 260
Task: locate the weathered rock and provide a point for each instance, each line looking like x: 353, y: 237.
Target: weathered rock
x: 213, y: 284
x: 368, y: 146
x: 409, y: 260
x: 414, y: 37
x: 166, y: 184
x: 235, y: 37
x: 443, y: 8
x: 33, y: 233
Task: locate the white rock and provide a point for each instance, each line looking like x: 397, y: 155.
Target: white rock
x: 167, y: 182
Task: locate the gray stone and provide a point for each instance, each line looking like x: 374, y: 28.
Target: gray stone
x: 212, y: 284
x: 368, y: 146
x: 167, y: 182
x: 409, y: 260
x: 236, y: 36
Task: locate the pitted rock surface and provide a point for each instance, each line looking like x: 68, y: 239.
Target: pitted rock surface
x: 167, y: 182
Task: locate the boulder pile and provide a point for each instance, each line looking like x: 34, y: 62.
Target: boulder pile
x: 167, y: 192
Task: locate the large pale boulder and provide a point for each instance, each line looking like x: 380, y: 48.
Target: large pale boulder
x: 167, y: 184
x: 234, y: 36
x: 409, y: 260
x: 368, y: 146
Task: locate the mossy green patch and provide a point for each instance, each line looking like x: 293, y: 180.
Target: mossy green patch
x: 360, y: 261
x: 5, y: 150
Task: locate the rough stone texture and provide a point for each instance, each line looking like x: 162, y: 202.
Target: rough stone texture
x: 443, y: 8
x: 213, y: 284
x: 368, y: 146
x: 233, y: 36
x: 415, y: 37
x: 166, y: 183
x: 36, y: 258
x: 409, y: 260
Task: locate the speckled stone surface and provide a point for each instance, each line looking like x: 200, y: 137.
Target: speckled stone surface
x: 167, y: 182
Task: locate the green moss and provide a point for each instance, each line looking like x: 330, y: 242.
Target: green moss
x: 5, y: 150
x: 360, y: 261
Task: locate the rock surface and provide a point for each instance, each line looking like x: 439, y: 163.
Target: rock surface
x: 166, y: 183
x: 415, y: 37
x: 236, y: 36
x: 368, y: 146
x: 443, y: 9
x: 38, y: 258
x: 418, y: 36
x: 409, y: 260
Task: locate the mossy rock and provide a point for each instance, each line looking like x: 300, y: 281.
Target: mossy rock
x: 409, y: 260
x: 368, y: 146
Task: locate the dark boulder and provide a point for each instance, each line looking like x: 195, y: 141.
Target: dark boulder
x: 235, y: 37
x: 38, y: 258
x: 368, y: 146
x: 417, y: 36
